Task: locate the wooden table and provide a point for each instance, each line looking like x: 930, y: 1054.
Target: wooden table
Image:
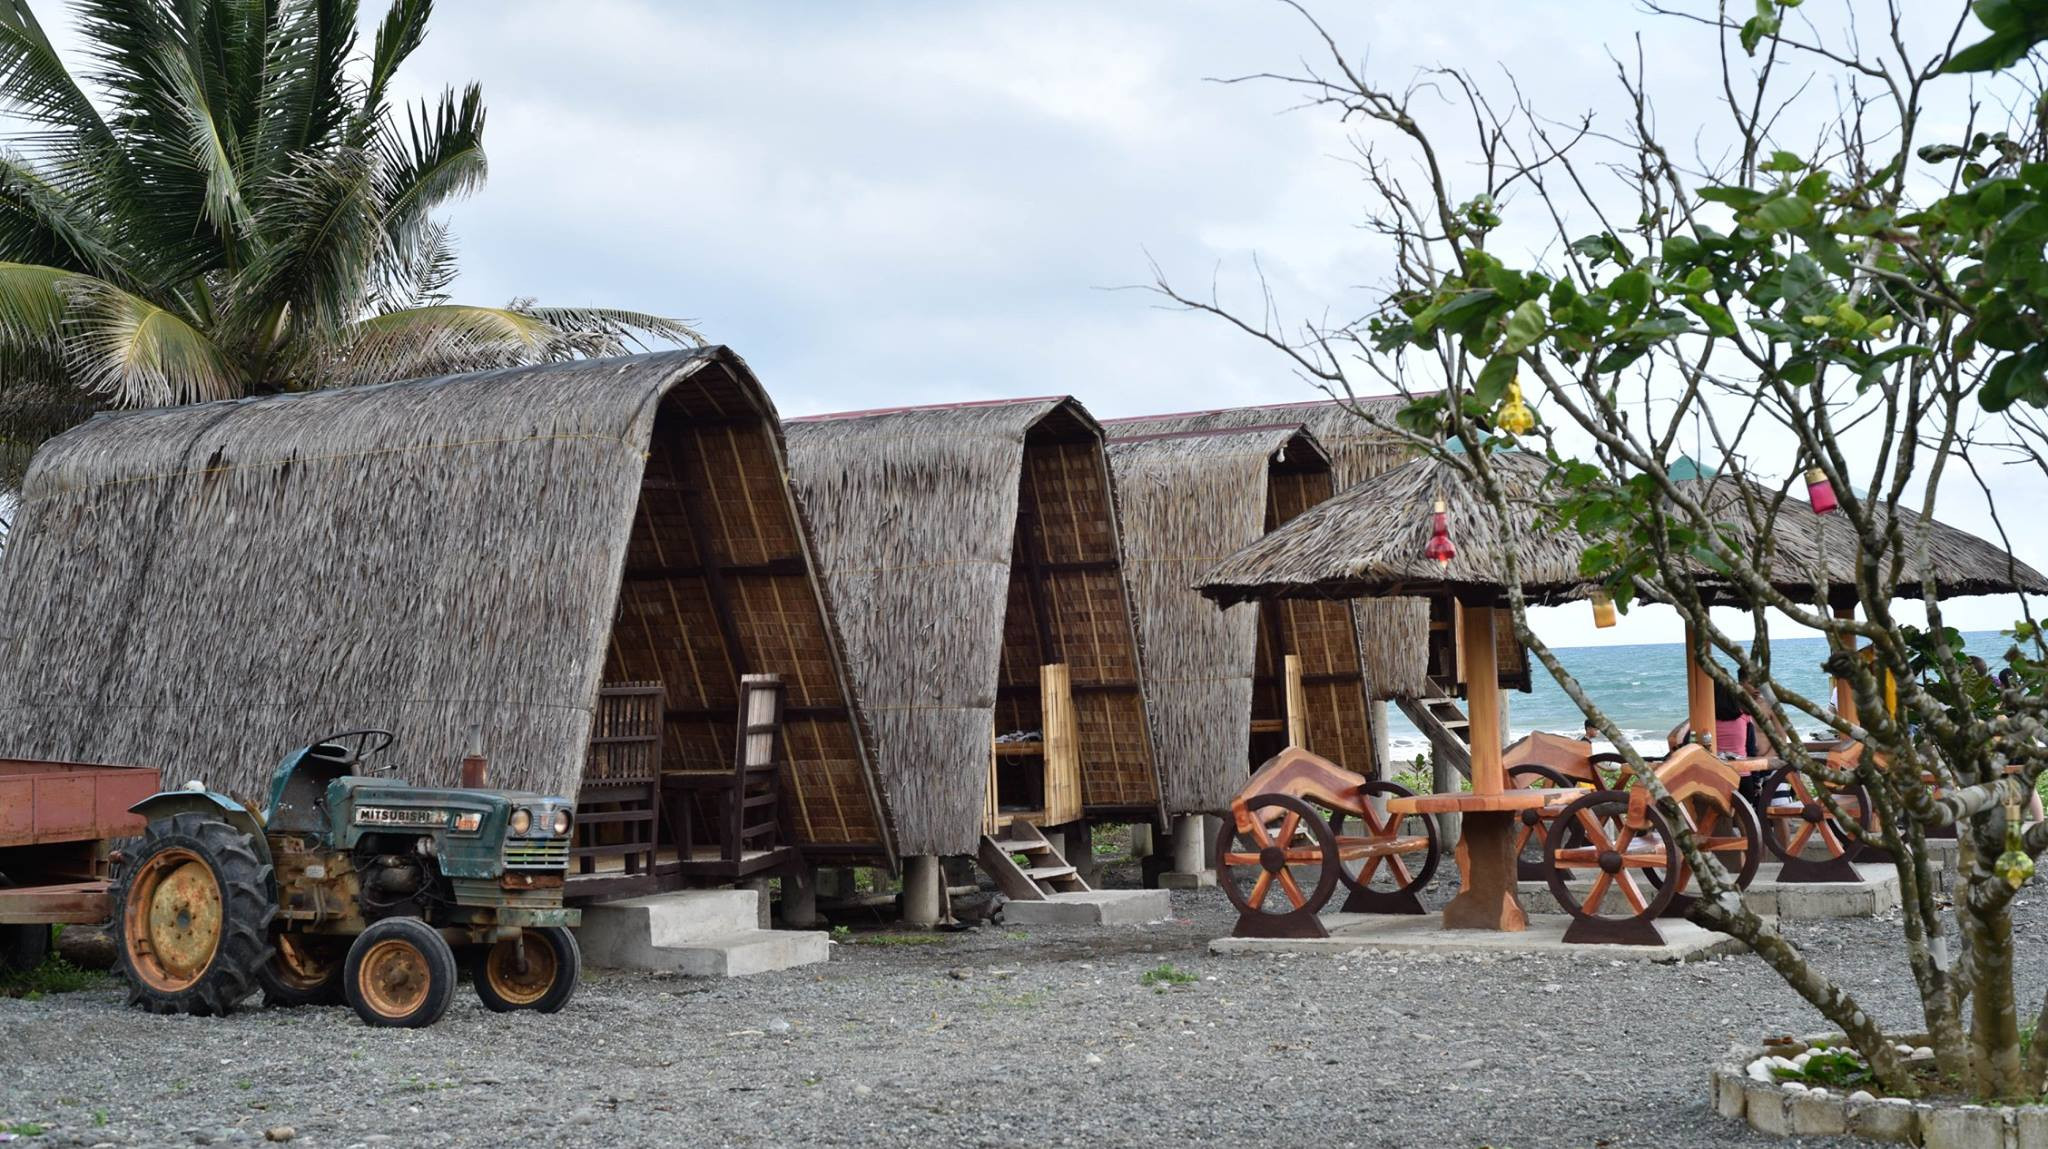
x: 1486, y: 852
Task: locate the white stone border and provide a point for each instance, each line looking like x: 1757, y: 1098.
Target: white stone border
x: 1771, y: 1107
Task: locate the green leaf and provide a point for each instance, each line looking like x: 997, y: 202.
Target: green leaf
x: 1458, y: 311
x: 1739, y: 198
x: 1524, y: 328
x: 1782, y: 213
x: 1492, y: 385
x: 1782, y: 161
x: 1632, y: 290
x: 1716, y: 317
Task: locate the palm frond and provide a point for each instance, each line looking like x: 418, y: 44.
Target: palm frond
x: 32, y: 310
x: 440, y: 157
x: 306, y: 90
x: 437, y: 340
x: 400, y: 32
x: 138, y: 354
x: 321, y: 236
x: 611, y: 330
x: 420, y: 278
x: 40, y: 224
x: 35, y: 83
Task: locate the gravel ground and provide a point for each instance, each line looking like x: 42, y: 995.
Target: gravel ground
x: 997, y: 1036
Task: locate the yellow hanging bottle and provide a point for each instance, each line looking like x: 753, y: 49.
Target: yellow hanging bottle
x: 2014, y: 865
x: 1515, y: 417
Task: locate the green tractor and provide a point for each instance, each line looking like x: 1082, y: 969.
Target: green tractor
x: 350, y: 886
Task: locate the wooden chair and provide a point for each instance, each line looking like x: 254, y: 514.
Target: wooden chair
x: 616, y: 808
x: 738, y: 809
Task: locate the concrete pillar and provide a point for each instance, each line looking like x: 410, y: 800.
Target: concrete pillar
x: 834, y: 882
x: 1191, y: 867
x: 1141, y: 840
x: 1445, y: 779
x: 924, y: 892
x: 1382, y: 749
x: 800, y: 900
x: 765, y: 914
x: 1081, y: 855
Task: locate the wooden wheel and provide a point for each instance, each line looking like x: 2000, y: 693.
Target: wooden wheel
x: 1283, y: 865
x: 1733, y: 835
x: 1532, y: 827
x: 1801, y: 819
x: 1621, y: 840
x: 1392, y: 857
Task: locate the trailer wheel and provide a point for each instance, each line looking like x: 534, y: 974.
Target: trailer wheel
x: 23, y: 948
x: 192, y: 914
x: 400, y: 972
x: 554, y: 964
x: 305, y: 970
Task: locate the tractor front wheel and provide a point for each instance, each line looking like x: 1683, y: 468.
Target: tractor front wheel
x: 192, y: 914
x: 543, y: 981
x: 400, y: 972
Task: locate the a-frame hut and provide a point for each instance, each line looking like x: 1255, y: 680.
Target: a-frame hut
x: 574, y: 564
x: 1409, y: 644
x: 973, y: 551
x: 1231, y: 688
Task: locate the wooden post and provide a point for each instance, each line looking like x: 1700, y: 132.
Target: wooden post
x: 1482, y: 695
x: 1486, y: 852
x: 1297, y: 703
x: 1699, y: 692
x: 1845, y: 691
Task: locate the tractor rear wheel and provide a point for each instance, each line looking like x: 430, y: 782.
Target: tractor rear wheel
x: 400, y: 972
x: 553, y: 965
x: 305, y: 970
x: 192, y: 910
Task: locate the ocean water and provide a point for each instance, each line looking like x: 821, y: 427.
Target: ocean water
x: 1642, y: 688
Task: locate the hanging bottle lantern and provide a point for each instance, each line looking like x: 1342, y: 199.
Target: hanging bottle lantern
x: 1820, y: 493
x: 1515, y: 417
x: 1440, y: 547
x: 1603, y: 609
x: 2014, y: 865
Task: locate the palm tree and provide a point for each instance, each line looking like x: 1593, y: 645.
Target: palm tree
x: 240, y: 212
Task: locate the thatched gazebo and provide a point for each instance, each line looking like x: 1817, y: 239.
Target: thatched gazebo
x: 203, y: 588
x: 1230, y: 688
x: 1387, y: 538
x: 973, y: 551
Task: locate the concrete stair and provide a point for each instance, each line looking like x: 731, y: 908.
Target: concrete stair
x: 697, y: 933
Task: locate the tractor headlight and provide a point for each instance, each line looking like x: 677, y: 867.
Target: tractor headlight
x: 522, y: 820
x: 561, y: 823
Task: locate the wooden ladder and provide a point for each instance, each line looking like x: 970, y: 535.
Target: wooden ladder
x: 1442, y: 720
x: 1045, y: 873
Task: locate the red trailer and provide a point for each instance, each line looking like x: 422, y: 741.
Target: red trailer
x: 55, y: 820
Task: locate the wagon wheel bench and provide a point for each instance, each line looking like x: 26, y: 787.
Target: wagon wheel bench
x: 1284, y: 847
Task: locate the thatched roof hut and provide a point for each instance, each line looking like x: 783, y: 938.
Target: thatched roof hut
x: 1391, y: 631
x: 1808, y: 551
x: 202, y: 588
x: 968, y: 546
x: 1216, y: 677
x: 1370, y: 540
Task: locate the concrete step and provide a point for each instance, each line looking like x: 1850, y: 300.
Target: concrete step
x: 699, y: 933
x: 683, y: 916
x: 1092, y: 908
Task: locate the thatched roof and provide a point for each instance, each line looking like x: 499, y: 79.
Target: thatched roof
x: 967, y: 545
x: 1370, y: 539
x: 1393, y: 632
x: 1809, y: 551
x: 203, y: 588
x: 1188, y: 499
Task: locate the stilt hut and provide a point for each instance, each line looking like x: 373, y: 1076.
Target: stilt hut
x: 1231, y: 688
x: 1410, y: 649
x: 573, y: 565
x: 973, y: 550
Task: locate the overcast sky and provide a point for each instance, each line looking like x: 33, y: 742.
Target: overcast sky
x: 881, y: 204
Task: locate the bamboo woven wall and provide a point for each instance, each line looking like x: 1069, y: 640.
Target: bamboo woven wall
x: 1189, y: 498
x: 205, y: 588
x: 918, y: 529
x: 1392, y: 632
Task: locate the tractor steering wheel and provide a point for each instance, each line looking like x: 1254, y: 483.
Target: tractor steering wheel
x: 365, y: 744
